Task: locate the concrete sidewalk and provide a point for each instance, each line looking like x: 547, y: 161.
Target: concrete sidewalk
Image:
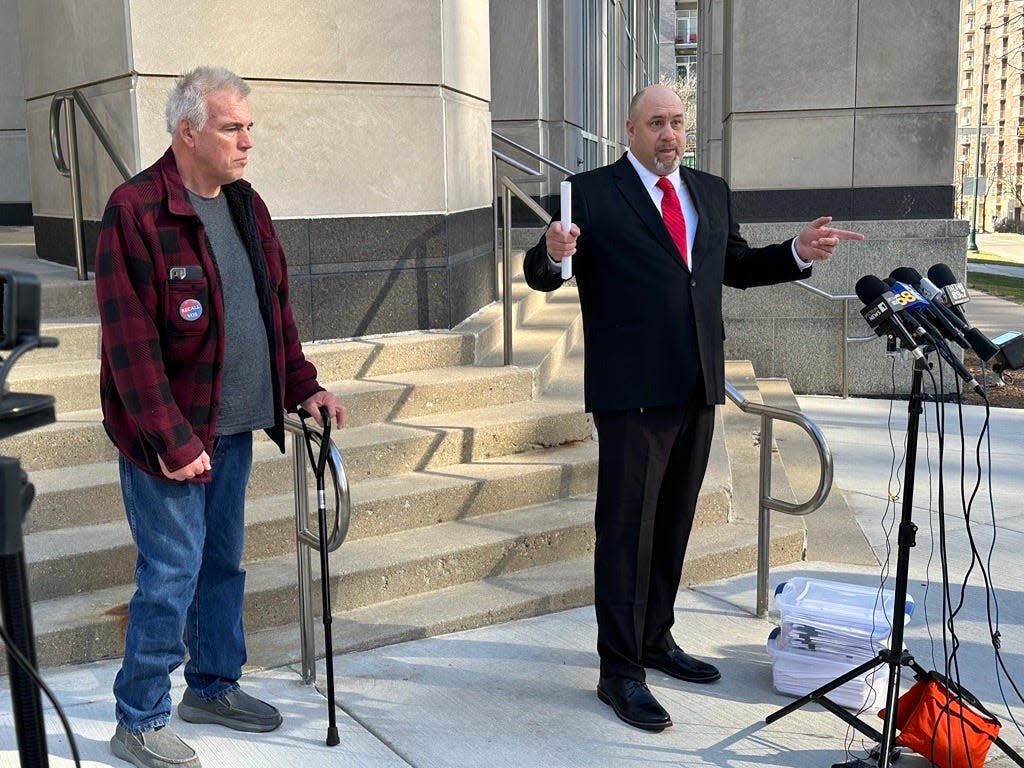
x: 1002, y: 253
x: 522, y: 694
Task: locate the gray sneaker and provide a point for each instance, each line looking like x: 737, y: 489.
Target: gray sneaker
x: 160, y: 748
x: 237, y: 710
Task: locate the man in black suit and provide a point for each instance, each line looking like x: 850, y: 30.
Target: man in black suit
x: 651, y: 295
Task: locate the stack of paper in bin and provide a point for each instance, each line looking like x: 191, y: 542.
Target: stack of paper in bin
x: 827, y: 629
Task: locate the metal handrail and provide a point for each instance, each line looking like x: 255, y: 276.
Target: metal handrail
x: 72, y: 169
x: 306, y: 540
x: 502, y: 262
x: 847, y: 339
x: 765, y: 501
x: 535, y: 155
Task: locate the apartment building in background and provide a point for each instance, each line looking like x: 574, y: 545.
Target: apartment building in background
x: 686, y: 38
x: 991, y: 88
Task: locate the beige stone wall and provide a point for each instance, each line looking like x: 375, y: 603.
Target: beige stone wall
x: 866, y: 99
x: 14, y: 185
x: 361, y: 108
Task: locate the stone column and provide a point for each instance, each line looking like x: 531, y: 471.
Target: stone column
x: 15, y: 196
x: 372, y: 145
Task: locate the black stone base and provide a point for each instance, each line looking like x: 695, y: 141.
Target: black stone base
x: 846, y: 204
x: 362, y: 275
x: 15, y: 214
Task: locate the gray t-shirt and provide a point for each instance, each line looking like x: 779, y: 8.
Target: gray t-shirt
x: 247, y: 394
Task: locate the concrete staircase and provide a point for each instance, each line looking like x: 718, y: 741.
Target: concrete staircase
x: 471, y: 484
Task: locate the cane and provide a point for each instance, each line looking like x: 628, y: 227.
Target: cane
x: 319, y: 465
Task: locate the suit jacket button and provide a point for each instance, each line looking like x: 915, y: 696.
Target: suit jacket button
x: 693, y: 283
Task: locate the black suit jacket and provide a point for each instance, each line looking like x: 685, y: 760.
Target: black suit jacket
x: 650, y: 326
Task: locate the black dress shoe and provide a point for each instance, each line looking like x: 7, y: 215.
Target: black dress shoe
x: 633, y: 703
x: 682, y: 666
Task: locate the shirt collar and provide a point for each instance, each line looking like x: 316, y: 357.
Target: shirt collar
x: 650, y: 179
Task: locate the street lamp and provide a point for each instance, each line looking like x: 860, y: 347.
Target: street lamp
x: 972, y: 243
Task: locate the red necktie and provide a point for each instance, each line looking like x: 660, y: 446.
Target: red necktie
x: 673, y: 216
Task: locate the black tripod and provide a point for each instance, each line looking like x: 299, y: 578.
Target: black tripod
x: 895, y: 657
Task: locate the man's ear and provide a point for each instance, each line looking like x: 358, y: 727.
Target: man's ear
x: 185, y: 129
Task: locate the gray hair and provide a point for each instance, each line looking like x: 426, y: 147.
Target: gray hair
x: 187, y: 98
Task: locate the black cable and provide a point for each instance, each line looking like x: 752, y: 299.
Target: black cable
x: 24, y: 663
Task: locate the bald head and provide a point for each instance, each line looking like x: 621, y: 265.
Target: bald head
x: 656, y: 127
x: 656, y: 91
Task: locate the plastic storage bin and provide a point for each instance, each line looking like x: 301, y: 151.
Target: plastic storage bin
x: 797, y: 673
x: 827, y: 628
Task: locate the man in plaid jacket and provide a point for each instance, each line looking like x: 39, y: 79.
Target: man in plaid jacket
x: 199, y: 349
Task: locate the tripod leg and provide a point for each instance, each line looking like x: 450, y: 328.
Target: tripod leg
x: 819, y: 693
x: 29, y: 726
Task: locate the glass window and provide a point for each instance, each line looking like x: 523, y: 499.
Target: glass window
x: 686, y: 26
x: 686, y: 67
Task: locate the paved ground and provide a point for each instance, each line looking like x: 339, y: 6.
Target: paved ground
x: 1007, y: 248
x: 522, y: 694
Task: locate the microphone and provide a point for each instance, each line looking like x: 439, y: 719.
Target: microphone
x: 907, y: 304
x: 910, y: 279
x: 880, y: 313
x: 954, y: 294
x: 912, y: 305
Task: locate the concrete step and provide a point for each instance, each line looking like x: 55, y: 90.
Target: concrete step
x: 71, y: 491
x: 73, y: 559
x: 407, y: 564
x: 78, y: 341
x: 364, y: 572
x: 714, y: 552
x: 66, y: 298
x: 492, y: 600
x: 78, y: 437
x: 379, y: 397
x: 63, y: 295
x: 77, y: 558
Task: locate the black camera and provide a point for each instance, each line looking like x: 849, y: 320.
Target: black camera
x: 20, y: 315
x: 20, y: 311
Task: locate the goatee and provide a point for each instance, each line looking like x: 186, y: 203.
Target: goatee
x: 666, y: 168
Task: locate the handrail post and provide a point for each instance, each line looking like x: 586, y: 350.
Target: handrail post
x: 307, y: 638
x: 764, y: 519
x: 76, y: 189
x: 506, y: 255
x: 845, y: 349
x: 494, y: 218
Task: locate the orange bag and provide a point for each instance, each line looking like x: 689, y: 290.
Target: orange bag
x: 942, y: 726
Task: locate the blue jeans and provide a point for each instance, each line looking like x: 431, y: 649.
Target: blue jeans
x: 189, y: 584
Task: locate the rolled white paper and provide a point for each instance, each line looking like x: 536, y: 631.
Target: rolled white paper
x: 565, y: 192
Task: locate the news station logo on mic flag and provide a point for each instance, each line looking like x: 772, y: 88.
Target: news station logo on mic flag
x: 956, y: 293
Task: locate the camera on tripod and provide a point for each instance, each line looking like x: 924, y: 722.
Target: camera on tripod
x: 20, y: 311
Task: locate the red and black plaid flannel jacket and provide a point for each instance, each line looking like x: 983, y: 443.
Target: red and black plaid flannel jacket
x: 161, y: 312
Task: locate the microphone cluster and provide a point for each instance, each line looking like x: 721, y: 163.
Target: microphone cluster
x: 921, y: 314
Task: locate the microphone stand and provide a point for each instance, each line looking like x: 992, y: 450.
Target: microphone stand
x: 895, y: 657
x: 29, y: 725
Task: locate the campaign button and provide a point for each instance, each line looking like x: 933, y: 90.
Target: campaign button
x: 190, y: 310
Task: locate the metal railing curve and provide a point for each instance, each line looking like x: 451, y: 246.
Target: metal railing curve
x: 67, y: 101
x: 307, y: 540
x: 765, y: 501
